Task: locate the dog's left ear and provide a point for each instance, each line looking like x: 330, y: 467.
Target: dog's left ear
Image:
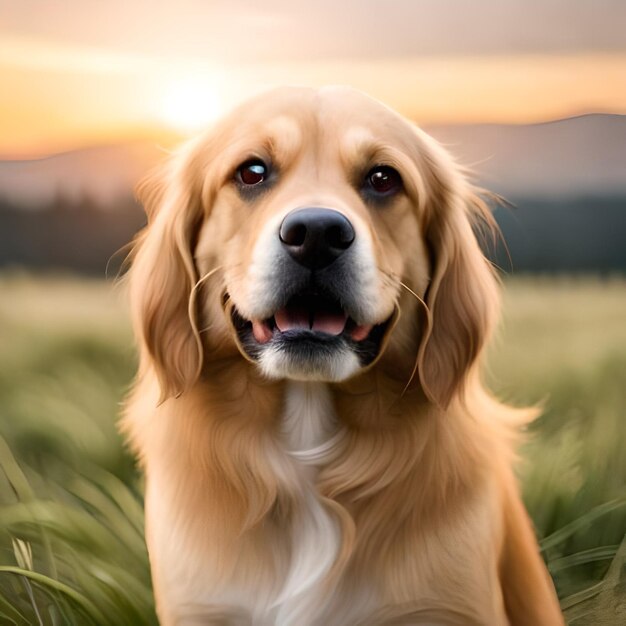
x: 463, y: 295
x: 163, y: 274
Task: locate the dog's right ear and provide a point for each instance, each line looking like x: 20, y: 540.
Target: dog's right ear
x: 163, y: 273
x: 463, y: 295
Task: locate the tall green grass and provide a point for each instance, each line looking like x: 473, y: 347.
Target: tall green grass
x: 71, y: 538
x: 71, y: 518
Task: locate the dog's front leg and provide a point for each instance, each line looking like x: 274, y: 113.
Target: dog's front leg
x: 529, y: 594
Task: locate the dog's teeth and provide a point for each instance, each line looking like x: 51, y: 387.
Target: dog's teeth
x: 261, y: 331
x: 361, y: 332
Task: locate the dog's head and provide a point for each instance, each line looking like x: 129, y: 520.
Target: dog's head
x: 312, y: 232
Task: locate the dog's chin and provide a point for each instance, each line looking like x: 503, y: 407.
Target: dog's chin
x: 308, y: 355
x: 310, y: 338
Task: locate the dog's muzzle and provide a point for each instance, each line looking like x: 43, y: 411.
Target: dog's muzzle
x: 317, y: 329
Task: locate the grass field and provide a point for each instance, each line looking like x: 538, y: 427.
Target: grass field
x: 71, y: 539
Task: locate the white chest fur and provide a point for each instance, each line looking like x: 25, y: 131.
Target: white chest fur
x: 308, y: 438
x: 309, y: 430
x: 309, y: 419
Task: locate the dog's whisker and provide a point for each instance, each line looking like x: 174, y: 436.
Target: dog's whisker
x: 427, y: 333
x: 389, y: 278
x: 191, y: 313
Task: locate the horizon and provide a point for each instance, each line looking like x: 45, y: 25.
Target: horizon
x: 168, y: 139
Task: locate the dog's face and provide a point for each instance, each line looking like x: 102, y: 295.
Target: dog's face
x: 313, y: 224
x: 312, y: 219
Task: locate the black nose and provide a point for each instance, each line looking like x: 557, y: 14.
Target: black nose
x: 316, y: 237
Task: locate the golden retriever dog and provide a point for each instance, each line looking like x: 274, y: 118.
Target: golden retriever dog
x: 311, y: 305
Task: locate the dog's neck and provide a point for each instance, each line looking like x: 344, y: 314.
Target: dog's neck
x: 309, y: 418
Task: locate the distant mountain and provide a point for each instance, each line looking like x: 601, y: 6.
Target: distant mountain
x: 566, y: 178
x: 102, y: 173
x: 579, y: 156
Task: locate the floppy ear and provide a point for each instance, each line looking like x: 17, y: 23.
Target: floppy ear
x: 463, y: 295
x: 163, y: 274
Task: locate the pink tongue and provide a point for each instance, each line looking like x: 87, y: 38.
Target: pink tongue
x: 288, y: 319
x: 294, y: 318
x: 331, y: 323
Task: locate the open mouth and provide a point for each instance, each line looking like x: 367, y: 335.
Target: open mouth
x: 310, y: 321
x: 310, y: 312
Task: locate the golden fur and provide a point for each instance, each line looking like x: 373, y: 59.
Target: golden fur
x: 397, y: 504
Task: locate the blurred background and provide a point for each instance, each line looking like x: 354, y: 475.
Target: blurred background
x: 531, y: 96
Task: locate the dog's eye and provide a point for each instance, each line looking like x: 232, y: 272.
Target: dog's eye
x: 384, y: 180
x: 252, y: 172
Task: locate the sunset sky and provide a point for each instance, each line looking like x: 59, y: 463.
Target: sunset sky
x: 74, y: 73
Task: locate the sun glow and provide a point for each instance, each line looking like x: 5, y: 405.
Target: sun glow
x: 189, y: 105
